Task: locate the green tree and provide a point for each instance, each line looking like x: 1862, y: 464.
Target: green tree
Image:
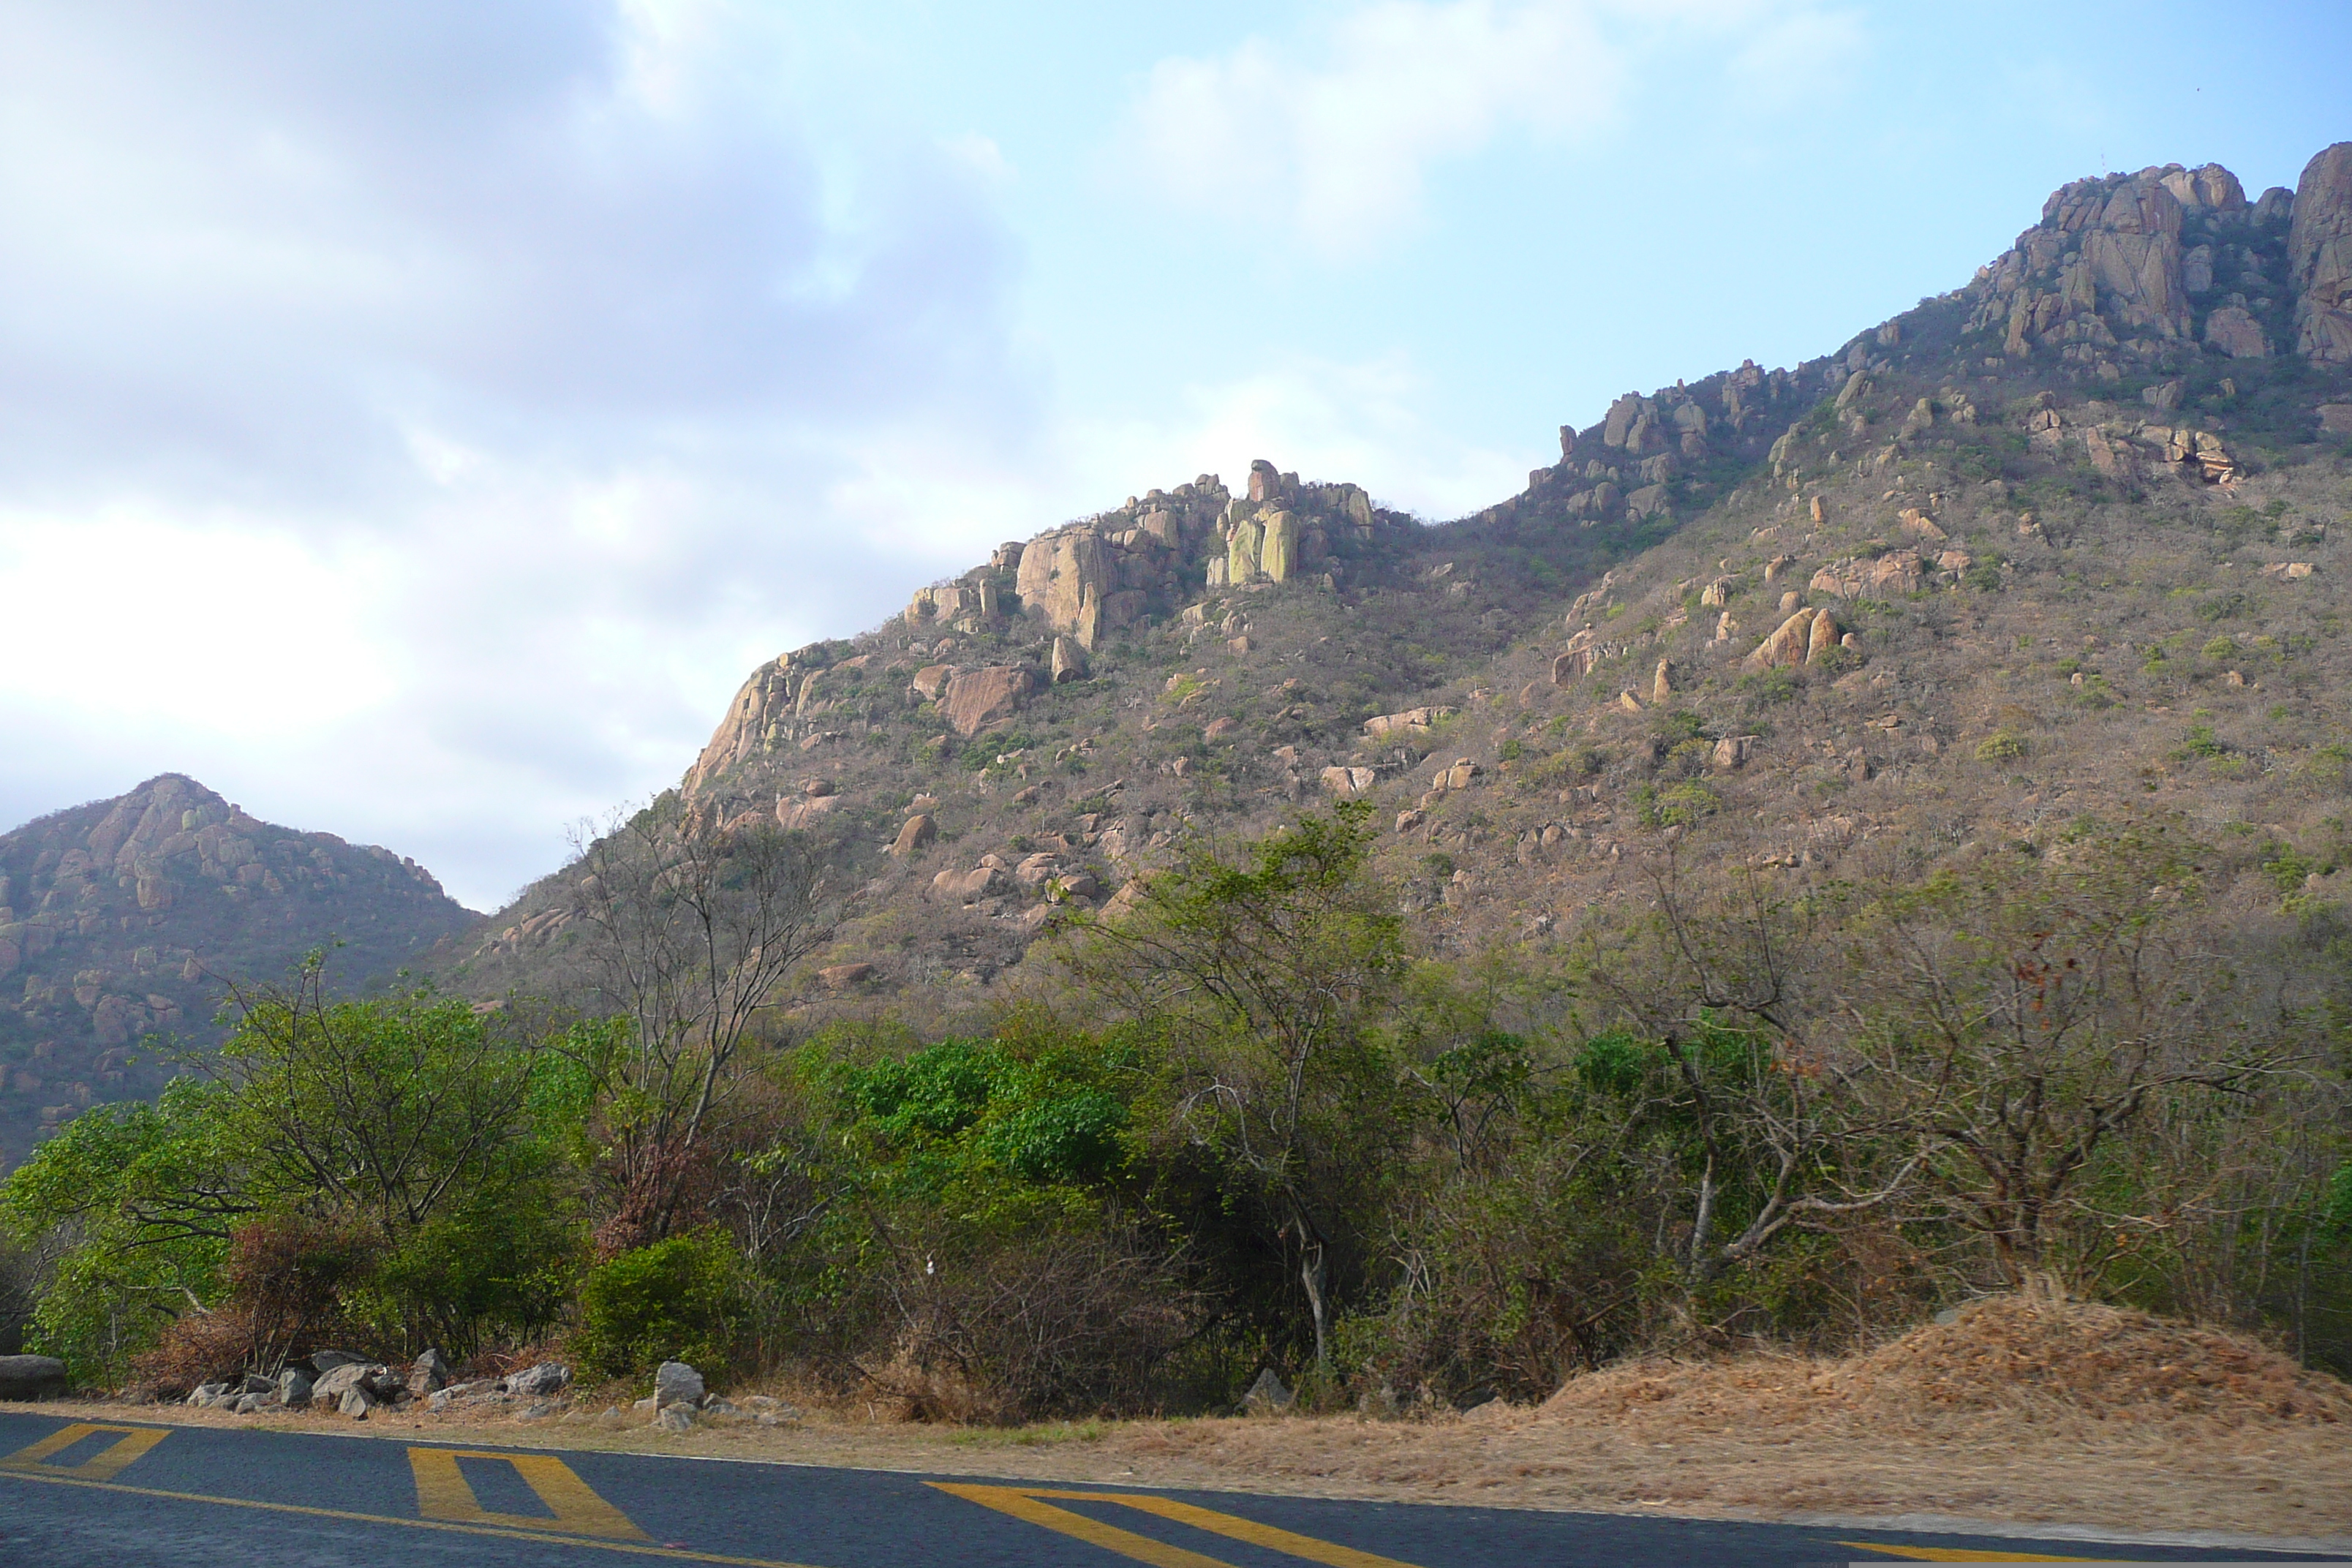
x: 681, y: 1299
x: 405, y: 1123
x: 130, y: 1208
x: 384, y: 1112
x: 1265, y: 971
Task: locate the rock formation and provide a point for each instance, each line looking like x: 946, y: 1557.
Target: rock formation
x: 920, y: 832
x: 1800, y: 640
x: 975, y: 699
x: 2123, y: 268
x: 1199, y: 658
x: 2319, y: 256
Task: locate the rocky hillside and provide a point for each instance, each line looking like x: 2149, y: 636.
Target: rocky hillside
x: 2065, y: 539
x: 122, y: 918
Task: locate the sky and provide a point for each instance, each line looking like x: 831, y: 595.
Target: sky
x: 416, y: 420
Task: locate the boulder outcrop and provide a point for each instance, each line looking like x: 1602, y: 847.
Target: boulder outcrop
x: 2125, y: 266
x: 918, y: 833
x: 952, y: 887
x: 1888, y: 576
x: 1064, y: 577
x: 2233, y: 330
x: 759, y: 720
x: 1629, y: 463
x: 1800, y: 640
x: 1412, y: 720
x: 2319, y: 256
x: 32, y: 1377
x: 975, y: 699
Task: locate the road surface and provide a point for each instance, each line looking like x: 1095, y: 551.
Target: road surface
x: 130, y: 1495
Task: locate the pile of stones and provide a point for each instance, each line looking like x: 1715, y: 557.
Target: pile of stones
x: 354, y: 1385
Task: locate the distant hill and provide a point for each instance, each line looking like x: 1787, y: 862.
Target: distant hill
x: 2065, y: 539
x: 122, y: 918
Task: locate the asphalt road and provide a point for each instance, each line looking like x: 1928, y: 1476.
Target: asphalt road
x: 134, y: 1496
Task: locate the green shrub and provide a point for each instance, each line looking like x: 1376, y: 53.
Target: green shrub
x: 1678, y: 806
x: 2003, y: 747
x: 477, y: 1272
x: 1767, y: 687
x: 2202, y: 743
x: 680, y: 1300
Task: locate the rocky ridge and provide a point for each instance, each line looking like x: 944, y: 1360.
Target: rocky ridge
x: 2059, y: 540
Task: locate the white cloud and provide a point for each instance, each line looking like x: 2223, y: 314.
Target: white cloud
x: 1336, y: 150
x: 1795, y: 61
x: 1340, y: 150
x: 415, y: 418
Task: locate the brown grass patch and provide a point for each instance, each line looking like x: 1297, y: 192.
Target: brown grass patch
x: 2013, y: 1355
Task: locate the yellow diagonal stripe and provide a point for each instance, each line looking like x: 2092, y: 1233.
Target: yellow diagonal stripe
x: 442, y: 1493
x: 1020, y: 1505
x: 103, y: 1466
x: 1027, y: 1504
x: 1958, y: 1554
x: 1248, y: 1529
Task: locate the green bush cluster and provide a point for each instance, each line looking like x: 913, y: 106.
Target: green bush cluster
x: 679, y: 1300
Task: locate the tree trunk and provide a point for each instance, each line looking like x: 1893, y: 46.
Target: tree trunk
x: 1310, y: 1275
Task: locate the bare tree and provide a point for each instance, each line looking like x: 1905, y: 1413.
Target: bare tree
x: 2019, y: 1022
x: 692, y: 926
x: 1979, y: 1050
x: 1727, y: 981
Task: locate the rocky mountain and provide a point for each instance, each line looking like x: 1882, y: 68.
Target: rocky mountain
x: 121, y: 919
x: 2065, y: 539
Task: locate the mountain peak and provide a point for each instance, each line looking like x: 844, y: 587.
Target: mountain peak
x: 122, y: 917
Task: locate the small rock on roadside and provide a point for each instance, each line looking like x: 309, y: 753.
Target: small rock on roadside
x: 1268, y: 1394
x: 677, y: 1383
x: 535, y: 1381
x: 429, y: 1374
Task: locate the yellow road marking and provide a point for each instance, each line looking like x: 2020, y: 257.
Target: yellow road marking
x: 442, y: 1493
x: 1957, y: 1554
x: 586, y: 1542
x: 102, y: 1466
x: 1126, y: 1543
x: 1027, y: 1504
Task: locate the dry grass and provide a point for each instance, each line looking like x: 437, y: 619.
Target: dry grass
x: 2019, y: 1413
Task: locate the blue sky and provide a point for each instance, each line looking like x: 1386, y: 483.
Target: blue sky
x: 415, y: 420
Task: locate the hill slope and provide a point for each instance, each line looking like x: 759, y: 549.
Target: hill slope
x: 123, y: 916
x: 2062, y: 540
